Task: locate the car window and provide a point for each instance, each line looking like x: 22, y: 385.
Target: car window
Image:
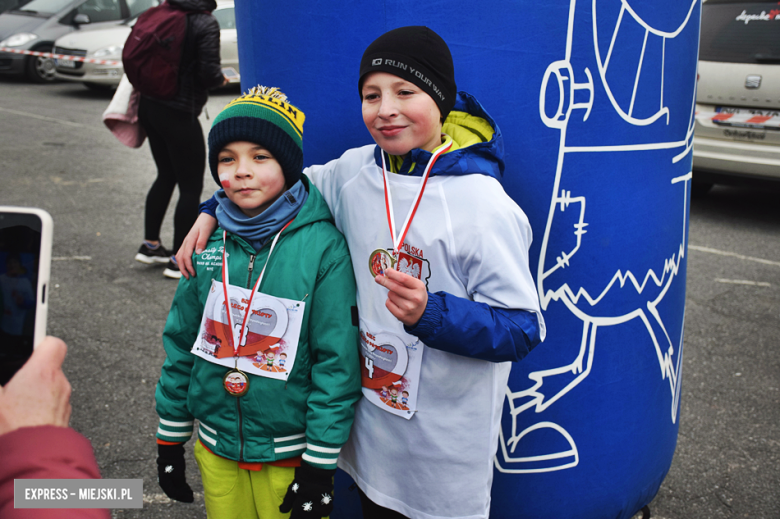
x: 740, y: 32
x: 139, y: 6
x: 46, y: 6
x: 226, y: 17
x: 101, y: 10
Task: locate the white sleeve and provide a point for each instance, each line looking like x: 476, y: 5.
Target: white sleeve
x: 495, y: 257
x: 331, y: 178
x: 324, y: 177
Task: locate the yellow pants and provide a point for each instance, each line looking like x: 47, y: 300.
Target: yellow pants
x: 234, y: 493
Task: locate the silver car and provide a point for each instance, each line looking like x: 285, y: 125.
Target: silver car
x: 737, y: 132
x: 91, y: 49
x: 27, y: 32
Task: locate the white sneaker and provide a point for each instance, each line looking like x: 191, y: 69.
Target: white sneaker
x: 172, y: 270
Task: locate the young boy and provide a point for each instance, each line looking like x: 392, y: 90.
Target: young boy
x: 285, y: 270
x: 458, y: 301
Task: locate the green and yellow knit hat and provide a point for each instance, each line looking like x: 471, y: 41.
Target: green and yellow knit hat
x: 262, y: 116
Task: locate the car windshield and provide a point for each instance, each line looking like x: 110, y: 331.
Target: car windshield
x: 740, y: 32
x: 139, y: 6
x: 46, y: 6
x: 226, y: 17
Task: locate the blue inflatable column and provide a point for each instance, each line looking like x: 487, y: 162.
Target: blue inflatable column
x: 596, y: 102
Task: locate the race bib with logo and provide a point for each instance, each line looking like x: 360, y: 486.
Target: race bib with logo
x: 390, y: 370
x: 270, y: 341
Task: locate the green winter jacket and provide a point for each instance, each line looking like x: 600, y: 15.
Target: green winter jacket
x: 311, y: 412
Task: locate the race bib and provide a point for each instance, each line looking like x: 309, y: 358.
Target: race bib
x: 270, y: 341
x: 390, y: 371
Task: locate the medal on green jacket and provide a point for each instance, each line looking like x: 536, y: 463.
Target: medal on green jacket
x: 235, y: 381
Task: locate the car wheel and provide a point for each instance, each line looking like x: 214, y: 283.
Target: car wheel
x: 39, y: 68
x: 699, y: 189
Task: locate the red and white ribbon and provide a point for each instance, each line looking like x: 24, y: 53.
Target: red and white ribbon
x: 61, y: 56
x: 398, y: 239
x: 238, y: 337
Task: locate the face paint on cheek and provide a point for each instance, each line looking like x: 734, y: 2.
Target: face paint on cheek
x: 224, y: 179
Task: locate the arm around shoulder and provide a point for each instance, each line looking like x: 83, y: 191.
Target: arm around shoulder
x: 197, y: 237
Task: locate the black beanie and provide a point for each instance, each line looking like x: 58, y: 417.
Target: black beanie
x: 415, y: 54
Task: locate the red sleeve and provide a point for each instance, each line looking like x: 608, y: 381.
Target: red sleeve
x: 45, y: 452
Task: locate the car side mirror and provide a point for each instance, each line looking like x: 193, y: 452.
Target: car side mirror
x: 81, y: 19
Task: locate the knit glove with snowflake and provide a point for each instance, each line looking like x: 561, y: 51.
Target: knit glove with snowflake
x: 170, y: 473
x: 310, y: 495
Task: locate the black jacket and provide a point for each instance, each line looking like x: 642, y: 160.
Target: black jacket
x: 200, y: 63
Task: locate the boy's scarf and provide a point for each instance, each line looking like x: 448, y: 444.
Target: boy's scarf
x: 256, y: 230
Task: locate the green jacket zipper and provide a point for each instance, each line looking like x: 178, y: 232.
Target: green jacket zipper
x: 240, y: 431
x: 250, y: 267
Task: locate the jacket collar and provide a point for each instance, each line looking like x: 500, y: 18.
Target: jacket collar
x: 485, y: 158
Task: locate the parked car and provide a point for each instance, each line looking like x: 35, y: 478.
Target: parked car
x: 225, y: 14
x: 103, y: 44
x: 107, y: 43
x: 737, y: 132
x: 39, y: 23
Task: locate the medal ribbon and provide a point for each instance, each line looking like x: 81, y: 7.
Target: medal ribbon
x: 226, y: 282
x: 398, y: 239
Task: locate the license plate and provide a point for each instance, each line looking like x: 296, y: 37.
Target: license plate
x: 747, y: 118
x: 65, y: 63
x: 752, y: 111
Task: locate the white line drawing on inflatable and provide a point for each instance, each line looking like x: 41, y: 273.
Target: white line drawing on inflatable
x: 574, y: 105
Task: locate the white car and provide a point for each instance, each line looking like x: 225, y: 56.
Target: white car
x: 106, y: 44
x: 737, y: 132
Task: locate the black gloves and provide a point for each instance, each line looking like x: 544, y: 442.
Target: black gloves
x: 170, y: 473
x: 310, y: 495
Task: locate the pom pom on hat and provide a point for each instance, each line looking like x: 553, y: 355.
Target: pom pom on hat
x: 264, y: 116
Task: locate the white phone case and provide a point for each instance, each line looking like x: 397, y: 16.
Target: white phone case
x: 44, y: 267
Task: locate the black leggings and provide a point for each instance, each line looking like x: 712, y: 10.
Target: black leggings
x: 179, y: 152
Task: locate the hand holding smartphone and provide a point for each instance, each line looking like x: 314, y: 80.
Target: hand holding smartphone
x: 25, y: 261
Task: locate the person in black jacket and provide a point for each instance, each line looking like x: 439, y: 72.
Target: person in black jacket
x: 176, y: 137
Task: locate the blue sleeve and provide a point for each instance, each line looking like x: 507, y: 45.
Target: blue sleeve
x: 477, y: 330
x: 209, y: 207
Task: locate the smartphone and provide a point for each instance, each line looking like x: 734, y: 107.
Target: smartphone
x: 25, y: 261
x: 231, y: 74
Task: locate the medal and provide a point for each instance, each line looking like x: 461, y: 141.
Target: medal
x: 380, y: 261
x: 236, y: 382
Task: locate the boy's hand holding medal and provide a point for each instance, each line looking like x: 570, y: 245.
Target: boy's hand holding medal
x: 407, y: 296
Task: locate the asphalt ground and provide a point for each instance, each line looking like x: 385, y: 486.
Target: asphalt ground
x: 55, y: 153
